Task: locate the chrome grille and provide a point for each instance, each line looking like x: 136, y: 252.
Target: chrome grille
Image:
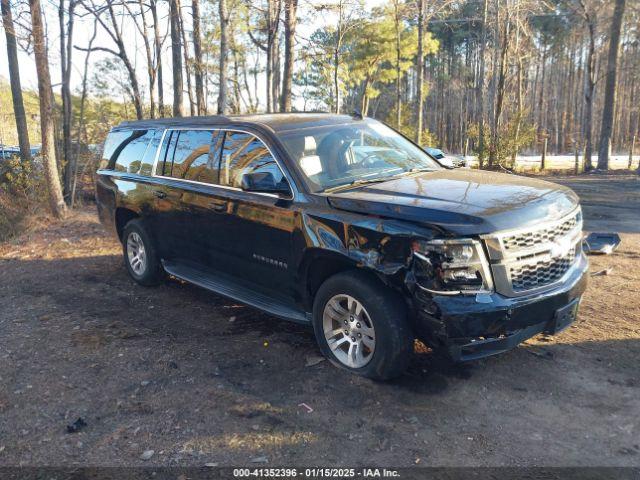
x: 541, y: 272
x: 545, y: 235
x: 534, y: 259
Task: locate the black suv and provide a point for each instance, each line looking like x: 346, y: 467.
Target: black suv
x: 342, y: 223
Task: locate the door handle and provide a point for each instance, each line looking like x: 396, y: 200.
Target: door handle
x: 218, y: 207
x: 160, y: 194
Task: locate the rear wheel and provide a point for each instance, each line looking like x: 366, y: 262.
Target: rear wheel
x: 361, y: 326
x: 140, y: 255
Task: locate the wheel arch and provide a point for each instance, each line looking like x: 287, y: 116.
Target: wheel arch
x: 318, y: 265
x: 122, y: 217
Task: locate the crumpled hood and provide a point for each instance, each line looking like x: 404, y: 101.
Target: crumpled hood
x: 465, y: 202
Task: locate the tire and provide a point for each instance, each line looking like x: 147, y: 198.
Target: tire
x: 147, y: 270
x: 382, y: 318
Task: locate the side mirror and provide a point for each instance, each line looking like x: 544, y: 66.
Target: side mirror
x: 263, y: 182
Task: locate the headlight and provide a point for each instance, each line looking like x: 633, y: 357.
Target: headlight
x: 452, y: 267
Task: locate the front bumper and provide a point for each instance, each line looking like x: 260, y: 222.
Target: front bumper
x: 471, y: 327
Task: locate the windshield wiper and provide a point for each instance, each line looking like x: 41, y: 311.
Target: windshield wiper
x: 355, y: 183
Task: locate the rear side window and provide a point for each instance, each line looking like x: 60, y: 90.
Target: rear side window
x: 113, y: 141
x: 150, y: 155
x: 166, y: 153
x: 187, y: 155
x: 192, y: 148
x: 128, y: 155
x: 205, y: 168
x: 244, y: 153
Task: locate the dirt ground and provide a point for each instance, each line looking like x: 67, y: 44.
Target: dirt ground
x: 200, y: 380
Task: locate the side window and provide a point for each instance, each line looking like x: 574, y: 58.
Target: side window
x: 150, y: 155
x: 113, y: 141
x: 205, y: 168
x: 166, y: 153
x: 244, y: 153
x: 191, y: 154
x: 113, y: 145
x: 128, y: 155
x: 234, y: 144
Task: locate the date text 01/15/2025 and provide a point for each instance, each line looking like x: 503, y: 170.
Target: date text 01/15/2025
x: 316, y: 472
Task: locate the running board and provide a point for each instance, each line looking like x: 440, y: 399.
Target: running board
x: 229, y: 287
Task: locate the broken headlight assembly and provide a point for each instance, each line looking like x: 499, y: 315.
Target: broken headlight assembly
x: 451, y: 267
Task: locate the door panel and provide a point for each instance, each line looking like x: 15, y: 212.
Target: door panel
x: 261, y: 240
x: 260, y: 229
x: 185, y: 159
x: 220, y: 227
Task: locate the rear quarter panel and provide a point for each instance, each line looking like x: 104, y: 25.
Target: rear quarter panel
x: 120, y: 190
x: 106, y: 193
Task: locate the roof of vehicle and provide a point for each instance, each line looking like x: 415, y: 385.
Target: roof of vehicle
x: 278, y: 122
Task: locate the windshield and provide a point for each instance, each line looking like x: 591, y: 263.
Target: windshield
x: 337, y: 155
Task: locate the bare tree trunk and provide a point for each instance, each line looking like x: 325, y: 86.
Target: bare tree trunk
x: 252, y: 106
x: 237, y: 97
x: 265, y: 48
x: 272, y: 18
x: 143, y: 29
x: 14, y: 78
x: 66, y: 50
x: 336, y: 79
x: 480, y: 85
x: 158, y: 48
x: 396, y: 21
x: 275, y: 80
x: 255, y: 77
x: 176, y: 57
x: 610, y: 87
x: 336, y: 58
x: 420, y: 74
x: 187, y: 66
x: 197, y: 52
x: 56, y: 201
x: 541, y: 112
x: 224, y: 53
x: 269, y: 73
x: 290, y: 21
x: 497, y: 112
x: 364, y: 104
x: 589, y: 88
x: 519, y: 69
x: 81, y: 126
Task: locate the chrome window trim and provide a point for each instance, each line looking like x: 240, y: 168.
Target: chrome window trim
x: 217, y: 185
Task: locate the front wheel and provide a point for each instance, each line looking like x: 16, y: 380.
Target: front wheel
x: 140, y: 255
x: 362, y: 326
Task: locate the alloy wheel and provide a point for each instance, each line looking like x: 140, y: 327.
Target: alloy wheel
x: 349, y: 331
x: 136, y: 253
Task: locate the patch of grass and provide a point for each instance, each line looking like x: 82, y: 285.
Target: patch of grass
x: 248, y: 441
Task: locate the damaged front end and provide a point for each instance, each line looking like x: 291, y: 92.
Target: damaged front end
x: 457, y: 308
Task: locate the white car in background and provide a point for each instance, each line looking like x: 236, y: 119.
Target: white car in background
x: 446, y: 159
